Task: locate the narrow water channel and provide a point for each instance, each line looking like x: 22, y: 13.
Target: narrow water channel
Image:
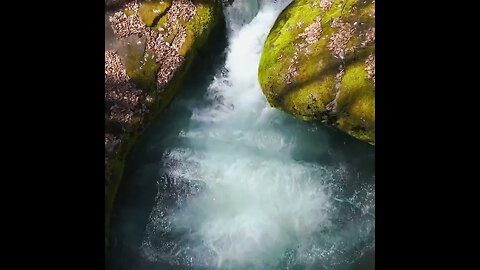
x: 223, y: 181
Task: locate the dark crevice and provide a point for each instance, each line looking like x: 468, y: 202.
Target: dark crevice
x: 113, y: 127
x: 157, y: 19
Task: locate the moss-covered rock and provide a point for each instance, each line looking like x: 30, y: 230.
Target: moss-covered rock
x: 151, y: 11
x: 157, y: 39
x: 318, y: 64
x: 198, y: 26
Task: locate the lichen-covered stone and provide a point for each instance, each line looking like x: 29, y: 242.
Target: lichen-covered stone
x: 151, y: 11
x: 318, y: 63
x: 155, y: 43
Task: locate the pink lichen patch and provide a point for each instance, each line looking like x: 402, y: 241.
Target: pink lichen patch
x: 312, y: 33
x: 167, y: 70
x: 120, y: 92
x: 182, y: 9
x: 338, y: 41
x: 295, y: 26
x: 114, y: 69
x: 152, y: 36
x: 124, y: 26
x: 370, y: 67
x: 166, y: 52
x: 326, y: 4
x: 292, y: 69
x: 370, y: 35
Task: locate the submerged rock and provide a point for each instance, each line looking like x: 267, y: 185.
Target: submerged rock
x: 153, y: 47
x: 318, y: 64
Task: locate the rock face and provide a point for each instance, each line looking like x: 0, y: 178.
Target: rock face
x: 319, y: 64
x: 150, y: 47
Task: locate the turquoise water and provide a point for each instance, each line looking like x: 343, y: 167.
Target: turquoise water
x: 223, y: 181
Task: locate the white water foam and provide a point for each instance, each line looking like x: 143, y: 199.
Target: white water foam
x: 235, y: 198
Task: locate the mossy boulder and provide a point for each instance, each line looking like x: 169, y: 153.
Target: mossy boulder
x: 318, y: 64
x: 151, y: 11
x: 152, y: 23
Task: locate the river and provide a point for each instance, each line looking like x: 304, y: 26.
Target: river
x: 221, y: 180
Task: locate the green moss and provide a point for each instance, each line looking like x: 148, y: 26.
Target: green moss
x: 283, y: 32
x: 356, y: 103
x: 150, y: 12
x: 199, y: 25
x: 114, y: 170
x: 171, y: 36
x: 142, y: 70
x: 128, y: 12
x: 161, y: 24
x: 203, y: 18
x: 367, y: 10
x: 339, y: 8
x: 313, y: 85
x: 187, y: 44
x: 311, y: 70
x: 143, y: 73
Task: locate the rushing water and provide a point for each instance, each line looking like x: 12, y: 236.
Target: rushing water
x: 223, y: 181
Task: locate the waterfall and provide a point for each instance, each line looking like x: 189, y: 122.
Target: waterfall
x: 240, y: 194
